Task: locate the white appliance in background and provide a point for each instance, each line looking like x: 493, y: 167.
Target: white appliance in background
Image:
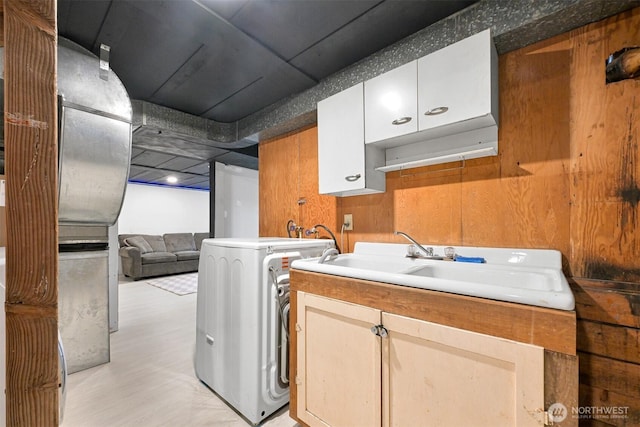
x: 241, y: 343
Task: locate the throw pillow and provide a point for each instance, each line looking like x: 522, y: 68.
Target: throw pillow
x: 140, y: 243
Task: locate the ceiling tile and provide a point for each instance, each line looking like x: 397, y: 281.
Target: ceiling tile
x: 273, y: 22
x: 201, y: 169
x: 363, y: 36
x: 151, y: 158
x: 179, y: 163
x: 238, y: 159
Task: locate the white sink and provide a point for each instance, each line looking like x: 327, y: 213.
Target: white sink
x: 526, y: 276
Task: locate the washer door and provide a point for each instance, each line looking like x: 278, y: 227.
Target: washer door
x: 283, y: 336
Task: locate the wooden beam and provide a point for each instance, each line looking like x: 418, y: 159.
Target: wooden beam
x: 31, y: 158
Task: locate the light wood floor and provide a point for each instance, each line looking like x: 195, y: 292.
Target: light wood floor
x: 150, y: 380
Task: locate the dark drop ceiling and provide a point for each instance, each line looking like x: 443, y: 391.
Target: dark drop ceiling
x: 226, y: 59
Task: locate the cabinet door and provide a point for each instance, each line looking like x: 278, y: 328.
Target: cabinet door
x: 444, y: 376
x: 458, y: 83
x: 341, y: 153
x: 338, y: 363
x: 391, y: 104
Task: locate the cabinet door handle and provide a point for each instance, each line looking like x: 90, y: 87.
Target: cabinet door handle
x: 401, y: 120
x: 436, y: 111
x: 380, y: 331
x: 352, y: 178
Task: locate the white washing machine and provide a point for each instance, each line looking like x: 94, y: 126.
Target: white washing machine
x: 241, y: 341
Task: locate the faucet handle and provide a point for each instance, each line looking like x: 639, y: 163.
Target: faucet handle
x: 412, y: 251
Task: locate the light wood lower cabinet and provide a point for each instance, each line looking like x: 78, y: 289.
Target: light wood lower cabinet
x: 338, y: 374
x: 409, y: 372
x: 435, y: 375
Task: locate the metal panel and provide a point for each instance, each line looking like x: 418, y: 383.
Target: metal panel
x: 83, y: 308
x: 79, y: 82
x: 94, y: 167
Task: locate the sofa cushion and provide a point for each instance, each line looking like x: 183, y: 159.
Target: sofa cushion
x: 140, y: 243
x: 158, y: 257
x: 156, y: 242
x: 187, y: 255
x: 199, y: 237
x: 177, y: 242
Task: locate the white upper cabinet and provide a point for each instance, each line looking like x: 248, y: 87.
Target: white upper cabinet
x: 440, y: 108
x: 455, y: 106
x: 345, y: 166
x: 391, y: 104
x: 457, y: 86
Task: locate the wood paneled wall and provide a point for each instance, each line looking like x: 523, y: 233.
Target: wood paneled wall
x: 288, y: 177
x: 566, y: 177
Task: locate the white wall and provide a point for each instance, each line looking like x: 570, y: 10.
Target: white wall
x: 236, y: 201
x: 150, y: 209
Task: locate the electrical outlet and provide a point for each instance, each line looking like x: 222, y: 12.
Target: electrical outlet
x: 348, y: 222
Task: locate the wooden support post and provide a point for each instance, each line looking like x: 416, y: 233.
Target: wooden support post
x: 31, y: 159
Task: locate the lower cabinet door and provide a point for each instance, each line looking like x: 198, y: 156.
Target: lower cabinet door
x: 338, y: 363
x: 435, y: 375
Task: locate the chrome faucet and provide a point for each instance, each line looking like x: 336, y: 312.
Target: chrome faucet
x: 427, y: 251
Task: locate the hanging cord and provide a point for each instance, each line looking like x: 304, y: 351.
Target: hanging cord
x: 331, y: 234
x: 274, y: 283
x: 342, y: 235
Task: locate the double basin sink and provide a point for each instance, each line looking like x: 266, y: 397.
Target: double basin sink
x: 526, y: 276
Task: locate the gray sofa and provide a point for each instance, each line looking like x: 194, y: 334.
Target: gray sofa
x: 146, y: 255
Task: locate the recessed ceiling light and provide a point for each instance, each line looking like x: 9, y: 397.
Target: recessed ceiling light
x: 172, y: 179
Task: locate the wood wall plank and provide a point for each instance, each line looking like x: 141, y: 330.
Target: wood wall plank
x: 316, y: 208
x: 605, y: 161
x: 289, y: 185
x: 560, y: 382
x: 31, y: 156
x: 600, y: 398
x: 611, y: 341
x: 622, y: 378
x: 609, y: 302
x: 278, y: 185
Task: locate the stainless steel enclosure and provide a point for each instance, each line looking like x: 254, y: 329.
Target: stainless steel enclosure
x: 83, y: 311
x: 95, y: 138
x: 94, y: 164
x: 94, y: 156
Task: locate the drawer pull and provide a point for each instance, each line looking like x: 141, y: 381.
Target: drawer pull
x: 436, y: 111
x: 352, y: 178
x: 401, y: 120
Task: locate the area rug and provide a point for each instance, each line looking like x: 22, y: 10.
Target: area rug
x: 180, y: 284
